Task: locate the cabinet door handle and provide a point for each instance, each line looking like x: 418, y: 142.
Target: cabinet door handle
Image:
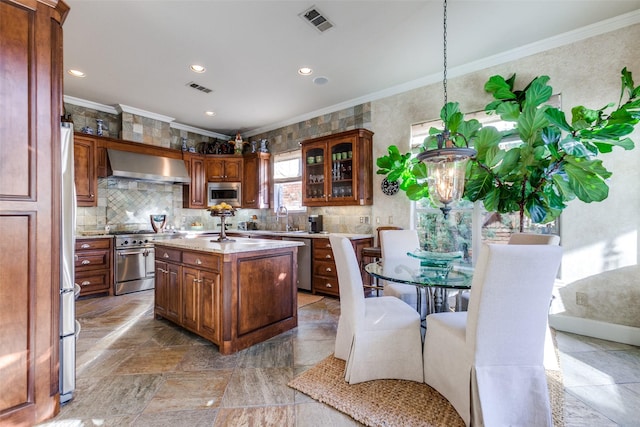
x: 85, y: 283
x: 328, y: 285
x: 327, y: 256
x: 165, y: 255
x: 198, y: 261
x: 92, y: 196
x: 328, y: 270
x: 252, y: 201
x: 85, y: 246
x: 162, y: 270
x: 85, y: 262
x: 328, y: 245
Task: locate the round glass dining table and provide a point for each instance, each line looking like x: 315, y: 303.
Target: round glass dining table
x: 438, y: 281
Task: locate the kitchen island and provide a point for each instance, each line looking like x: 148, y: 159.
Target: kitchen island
x: 234, y: 294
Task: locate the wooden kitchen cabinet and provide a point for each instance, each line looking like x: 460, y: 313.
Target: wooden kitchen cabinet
x: 224, y: 169
x: 200, y: 302
x: 324, y: 274
x: 168, y: 295
x: 93, y: 266
x: 255, y: 181
x: 85, y: 172
x: 187, y: 291
x: 194, y: 195
x: 343, y: 181
x: 30, y: 178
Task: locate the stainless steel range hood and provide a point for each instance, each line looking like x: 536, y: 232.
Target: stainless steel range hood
x: 146, y: 167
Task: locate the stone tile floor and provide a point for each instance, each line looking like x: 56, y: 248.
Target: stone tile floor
x: 138, y: 371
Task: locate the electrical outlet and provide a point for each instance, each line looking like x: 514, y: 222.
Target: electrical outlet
x: 361, y: 220
x: 581, y: 298
x: 366, y: 219
x: 377, y: 220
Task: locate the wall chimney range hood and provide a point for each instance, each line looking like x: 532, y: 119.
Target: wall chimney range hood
x: 126, y: 164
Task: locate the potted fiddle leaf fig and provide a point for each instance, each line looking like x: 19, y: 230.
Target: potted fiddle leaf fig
x: 555, y: 161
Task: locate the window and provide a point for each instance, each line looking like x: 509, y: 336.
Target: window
x: 469, y: 225
x: 287, y: 181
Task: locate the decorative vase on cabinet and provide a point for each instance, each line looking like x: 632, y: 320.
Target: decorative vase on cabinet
x: 338, y: 169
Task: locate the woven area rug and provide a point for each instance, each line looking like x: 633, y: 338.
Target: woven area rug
x: 306, y: 299
x: 387, y: 403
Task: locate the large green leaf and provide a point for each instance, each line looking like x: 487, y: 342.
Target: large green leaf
x: 608, y: 132
x: 479, y: 183
x: 586, y: 179
x: 509, y: 111
x: 538, y: 92
x: 530, y: 122
x: 487, y: 138
x: 557, y: 117
x: 500, y: 89
x: 509, y: 161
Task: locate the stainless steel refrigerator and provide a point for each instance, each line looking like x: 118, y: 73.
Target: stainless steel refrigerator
x: 69, y: 328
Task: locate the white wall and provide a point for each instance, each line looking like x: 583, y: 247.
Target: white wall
x: 597, y: 236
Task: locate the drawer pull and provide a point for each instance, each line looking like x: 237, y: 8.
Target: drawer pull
x: 165, y: 255
x: 328, y: 245
x: 85, y: 246
x: 327, y: 256
x: 85, y: 262
x: 328, y: 285
x: 85, y: 283
x: 198, y: 262
x: 328, y: 270
x: 162, y: 270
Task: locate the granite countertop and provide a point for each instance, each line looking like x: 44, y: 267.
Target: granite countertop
x: 252, y: 233
x: 301, y: 234
x: 238, y: 244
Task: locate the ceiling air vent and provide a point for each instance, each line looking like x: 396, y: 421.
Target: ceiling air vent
x: 201, y: 88
x: 314, y: 17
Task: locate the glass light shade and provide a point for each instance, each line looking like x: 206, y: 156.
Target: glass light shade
x: 445, y: 178
x: 446, y: 170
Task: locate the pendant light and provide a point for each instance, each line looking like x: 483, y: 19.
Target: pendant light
x: 446, y: 164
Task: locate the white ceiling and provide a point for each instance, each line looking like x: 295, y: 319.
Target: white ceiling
x: 137, y: 52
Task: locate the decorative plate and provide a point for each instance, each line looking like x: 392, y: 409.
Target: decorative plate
x: 389, y: 188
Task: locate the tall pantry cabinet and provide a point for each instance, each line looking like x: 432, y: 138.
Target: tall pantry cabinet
x: 30, y: 111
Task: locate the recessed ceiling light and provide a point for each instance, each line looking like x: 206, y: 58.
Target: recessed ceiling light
x: 305, y: 71
x: 321, y: 81
x: 197, y: 68
x: 210, y: 113
x: 76, y: 73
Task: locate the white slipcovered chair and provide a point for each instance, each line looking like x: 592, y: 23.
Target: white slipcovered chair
x: 517, y: 239
x: 488, y: 361
x: 396, y: 244
x: 378, y: 337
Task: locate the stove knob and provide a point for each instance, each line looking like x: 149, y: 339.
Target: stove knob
x: 126, y: 242
x: 145, y: 240
x: 133, y: 242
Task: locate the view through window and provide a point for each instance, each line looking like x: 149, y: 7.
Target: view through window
x: 287, y: 179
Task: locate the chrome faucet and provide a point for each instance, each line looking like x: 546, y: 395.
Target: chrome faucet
x: 282, y: 212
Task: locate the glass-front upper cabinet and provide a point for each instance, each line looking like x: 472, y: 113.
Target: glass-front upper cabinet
x: 338, y: 169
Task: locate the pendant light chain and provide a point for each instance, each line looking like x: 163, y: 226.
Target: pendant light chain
x: 444, y: 79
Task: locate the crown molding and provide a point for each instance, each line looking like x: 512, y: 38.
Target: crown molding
x: 138, y: 112
x: 199, y: 131
x: 89, y: 104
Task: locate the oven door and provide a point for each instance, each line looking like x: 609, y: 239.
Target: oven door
x: 134, y: 269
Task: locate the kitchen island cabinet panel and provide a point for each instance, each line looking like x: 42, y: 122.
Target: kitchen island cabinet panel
x: 235, y: 295
x: 264, y: 294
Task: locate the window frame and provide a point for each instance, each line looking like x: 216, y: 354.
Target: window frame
x: 277, y: 182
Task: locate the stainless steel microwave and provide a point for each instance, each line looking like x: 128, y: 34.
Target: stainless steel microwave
x: 229, y: 192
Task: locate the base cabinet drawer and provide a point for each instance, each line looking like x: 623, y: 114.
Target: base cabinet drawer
x: 93, y: 282
x: 326, y: 285
x: 93, y: 266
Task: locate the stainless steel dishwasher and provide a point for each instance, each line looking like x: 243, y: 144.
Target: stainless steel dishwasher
x: 304, y: 263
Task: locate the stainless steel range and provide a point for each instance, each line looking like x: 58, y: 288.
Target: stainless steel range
x: 134, y: 260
